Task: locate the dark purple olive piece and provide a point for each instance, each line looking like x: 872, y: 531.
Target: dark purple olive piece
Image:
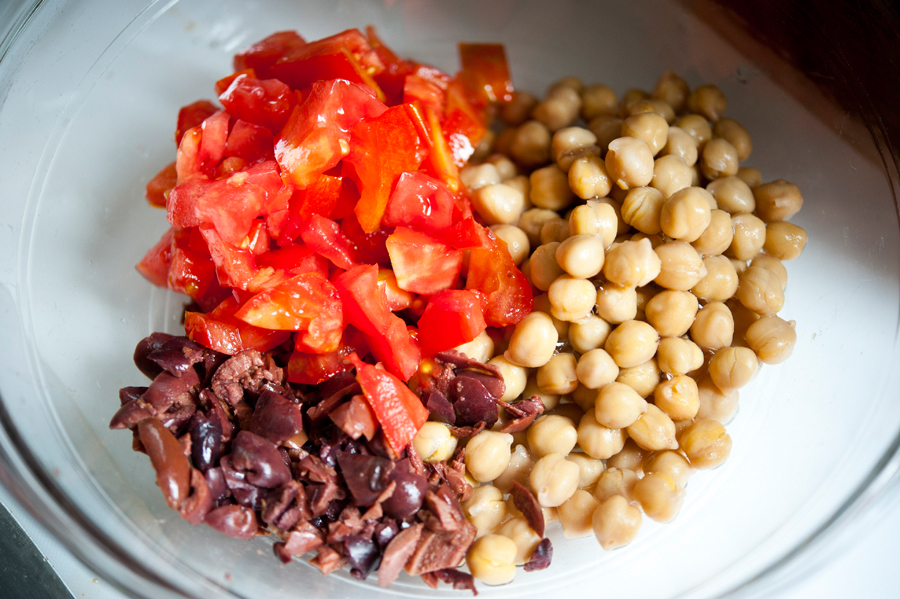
x: 494, y: 385
x: 168, y: 389
x: 236, y: 480
x: 177, y: 355
x: 129, y: 415
x: 206, y: 440
x: 199, y: 502
x: 366, y: 476
x: 541, y: 557
x: 233, y: 520
x: 142, y: 352
x: 525, y: 502
x: 215, y: 480
x: 461, y: 581
x: 408, y: 495
x: 127, y: 394
x: 173, y: 471
x: 260, y: 460
x: 362, y: 555
x: 385, y: 530
x: 440, y: 407
x: 276, y: 418
x: 473, y: 403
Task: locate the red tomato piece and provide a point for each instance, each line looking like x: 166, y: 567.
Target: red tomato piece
x: 392, y: 78
x: 376, y: 170
x: 451, y: 318
x: 219, y: 330
x: 416, y: 88
x: 235, y: 267
x: 486, y: 71
x: 154, y: 266
x: 370, y: 247
x: 187, y: 159
x: 421, y: 263
x: 214, y: 135
x: 365, y: 307
x: 224, y: 83
x: 396, y: 298
x: 399, y: 411
x: 319, y: 198
x: 192, y: 115
x: 160, y: 185
x: 294, y: 259
x: 191, y: 270
x: 324, y: 236
x: 312, y: 369
x: 264, y: 102
x: 266, y: 52
x: 304, y: 302
x: 505, y: 294
x: 420, y: 202
x: 467, y: 235
x: 317, y: 133
x: 252, y: 143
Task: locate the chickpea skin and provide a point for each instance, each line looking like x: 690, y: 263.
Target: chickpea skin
x: 654, y: 430
x: 772, y: 338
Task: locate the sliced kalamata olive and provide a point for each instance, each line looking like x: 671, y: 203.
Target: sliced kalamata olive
x: 494, y: 384
x: 385, y: 530
x: 129, y: 415
x: 541, y: 557
x: 143, y: 349
x: 397, y: 553
x: 177, y: 420
x: 215, y: 480
x: 173, y: 471
x: 440, y: 407
x: 167, y: 388
x: 461, y: 581
x: 366, y: 476
x: 355, y: 418
x: 200, y: 502
x: 206, y: 440
x: 408, y: 495
x: 243, y: 492
x: 525, y: 502
x: 362, y: 555
x: 276, y: 418
x: 260, y: 460
x: 127, y: 394
x: 473, y: 403
x: 233, y: 520
x: 177, y: 355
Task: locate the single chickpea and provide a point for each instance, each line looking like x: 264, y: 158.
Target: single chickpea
x: 678, y: 397
x: 630, y: 458
x: 478, y: 176
x: 598, y: 441
x: 571, y: 299
x: 773, y: 264
x: 566, y: 142
x: 551, y: 434
x: 749, y: 236
x: 643, y: 378
x: 434, y: 443
x: 642, y: 207
x: 596, y: 368
x: 532, y: 221
x: 515, y: 239
x: 550, y: 188
x: 717, y: 237
x: 520, y: 463
x: 559, y: 109
x: 751, y: 176
x: 732, y: 195
x: 672, y: 464
x: 544, y: 267
x: 778, y: 200
x: 673, y: 90
x: 596, y: 219
x: 731, y: 368
x: 654, y: 430
x: 487, y: 455
x: 570, y: 81
x: 760, y: 290
x: 713, y: 327
x: 671, y: 174
x: 576, y: 514
x: 516, y: 111
x: 680, y: 266
x: 550, y: 400
x: 581, y: 256
x: 659, y: 497
x: 629, y: 162
x: 530, y: 144
x: 772, y: 338
x: 718, y: 159
x: 523, y: 184
x: 514, y: 377
x: 506, y: 168
x: 518, y: 530
x: 736, y: 134
x: 697, y: 127
x: 631, y: 96
x: 480, y: 349
x: 650, y: 106
x: 686, y: 214
x: 672, y: 312
x: 618, y: 406
x: 677, y: 356
x: 631, y: 264
x: 649, y: 127
x: 555, y: 229
x: 533, y: 341
x: 615, y: 482
x: 589, y: 469
x: 743, y: 318
x: 715, y: 405
x: 498, y: 203
x: 588, y: 334
x: 616, y: 522
x: 557, y: 376
x: 739, y: 265
x: 492, y: 559
x: 682, y: 144
x: 616, y: 204
x: 616, y: 304
x: 706, y: 444
x: 553, y: 480
x: 597, y: 100
x: 631, y: 343
x: 588, y: 177
x: 606, y: 128
x: 707, y: 100
x: 720, y: 282
x: 486, y: 509
x: 784, y: 240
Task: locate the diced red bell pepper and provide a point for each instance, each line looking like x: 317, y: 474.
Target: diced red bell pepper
x: 451, y: 318
x: 464, y: 127
x: 317, y: 133
x: 154, y: 266
x: 160, y: 185
x: 486, y: 71
x: 421, y: 263
x: 192, y: 115
x: 420, y: 202
x: 381, y: 149
x: 505, y: 294
x: 324, y: 236
x: 399, y: 411
x: 266, y: 52
x: 235, y: 267
x: 220, y: 331
x: 264, y: 102
x: 365, y: 307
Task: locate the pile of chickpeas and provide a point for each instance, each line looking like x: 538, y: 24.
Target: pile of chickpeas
x: 657, y: 265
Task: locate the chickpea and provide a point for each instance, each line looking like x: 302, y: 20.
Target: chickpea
x: 598, y: 441
x: 641, y: 209
x: 654, y: 430
x: 553, y: 480
x: 686, y: 214
x: 643, y: 378
x: 732, y: 195
x: 672, y: 464
x: 631, y: 264
x: 514, y: 377
x: 506, y: 168
x: 707, y: 100
x: 713, y: 328
x: 478, y: 176
x: 672, y: 89
x: 581, y: 256
x: 773, y: 265
x: 571, y: 82
x: 557, y: 376
x: 682, y: 144
x: 739, y: 265
x: 589, y: 469
x: 597, y: 100
x: 530, y: 144
x: 516, y: 111
x: 486, y: 509
x: 718, y: 159
x: 736, y: 135
x: 554, y: 230
x: 706, y: 444
x: 520, y: 463
x: 731, y: 368
x: 588, y: 334
x: 616, y: 204
x: 720, y: 282
x: 615, y: 523
x: 571, y: 299
x: 480, y: 349
x: 717, y: 237
x: 616, y: 304
x: 532, y: 221
x: 498, y: 203
x: 671, y: 174
x: 649, y: 127
x: 576, y: 514
x: 567, y: 144
x: 487, y: 455
x: 516, y: 241
x: 434, y: 442
x: 631, y: 96
x: 542, y: 304
x: 615, y: 482
x: 551, y: 434
x: 533, y: 341
x: 778, y: 200
x: 584, y: 397
x: 659, y: 497
x: 697, y: 127
x: 749, y: 236
x: 559, y: 109
x: 784, y: 240
x: 550, y: 188
x: 760, y: 290
x: 715, y: 405
x: 631, y: 343
x: 772, y: 339
x: 594, y: 218
x: 630, y: 458
x: 743, y: 318
x: 588, y: 177
x: 618, y: 406
x: 606, y: 128
x: 629, y: 162
x: 672, y: 312
x: 492, y: 559
x: 677, y: 356
x: 680, y: 266
x: 523, y: 185
x: 544, y: 267
x: 531, y: 389
x: 751, y: 176
x: 678, y: 397
x: 526, y: 540
x: 596, y: 368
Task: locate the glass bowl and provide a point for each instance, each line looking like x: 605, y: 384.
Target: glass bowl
x: 88, y: 96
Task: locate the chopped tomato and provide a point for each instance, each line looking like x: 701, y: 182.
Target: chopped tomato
x: 294, y: 259
x: 235, y: 267
x: 214, y: 135
x: 396, y: 298
x: 467, y: 235
x: 252, y: 143
x: 187, y: 159
x: 266, y: 102
x: 416, y: 88
x: 192, y: 115
x: 451, y: 318
x: 486, y: 71
x: 421, y: 263
x: 370, y: 247
x: 324, y: 236
x: 160, y: 185
x: 505, y: 294
x: 420, y: 202
x: 376, y: 170
x: 155, y: 263
x: 399, y: 411
x: 191, y: 271
x: 220, y: 331
x: 311, y: 369
x: 266, y: 52
x: 320, y: 197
